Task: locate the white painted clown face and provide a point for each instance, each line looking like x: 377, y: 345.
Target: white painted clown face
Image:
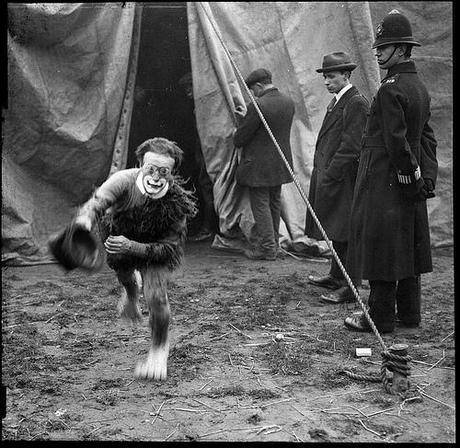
x: 155, y: 176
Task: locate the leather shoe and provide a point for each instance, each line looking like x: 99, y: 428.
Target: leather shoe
x: 359, y: 323
x: 327, y: 281
x: 255, y: 254
x: 342, y: 295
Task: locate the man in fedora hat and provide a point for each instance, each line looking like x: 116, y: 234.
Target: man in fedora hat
x: 261, y: 168
x: 334, y: 168
x: 389, y: 241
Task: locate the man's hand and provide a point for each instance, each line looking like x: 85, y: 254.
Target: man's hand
x: 118, y: 245
x: 239, y: 111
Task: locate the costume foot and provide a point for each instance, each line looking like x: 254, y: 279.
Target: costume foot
x: 155, y: 366
x: 129, y: 309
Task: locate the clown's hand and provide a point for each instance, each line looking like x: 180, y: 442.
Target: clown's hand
x: 118, y: 245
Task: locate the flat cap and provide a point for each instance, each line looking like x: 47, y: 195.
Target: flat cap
x: 259, y: 75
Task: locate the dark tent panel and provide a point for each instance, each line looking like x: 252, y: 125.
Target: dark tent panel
x: 88, y: 82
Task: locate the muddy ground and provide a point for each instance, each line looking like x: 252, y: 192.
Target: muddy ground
x: 68, y: 360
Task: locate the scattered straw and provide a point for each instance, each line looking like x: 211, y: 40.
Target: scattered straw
x: 239, y: 331
x: 448, y: 336
x: 368, y: 429
x: 204, y: 385
x: 225, y: 430
x: 190, y: 410
x: 157, y: 413
x: 275, y: 402
x: 204, y: 404
x: 300, y: 412
x: 168, y: 436
x: 439, y: 361
x: 219, y: 337
x: 435, y: 399
x: 269, y: 429
x: 379, y: 412
x: 297, y: 438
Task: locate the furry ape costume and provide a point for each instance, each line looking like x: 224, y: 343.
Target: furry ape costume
x: 144, y: 232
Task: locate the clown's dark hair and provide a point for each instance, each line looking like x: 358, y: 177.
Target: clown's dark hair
x: 160, y: 145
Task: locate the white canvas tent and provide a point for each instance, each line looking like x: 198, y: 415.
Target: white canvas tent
x: 73, y: 68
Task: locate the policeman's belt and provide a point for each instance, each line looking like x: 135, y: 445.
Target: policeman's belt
x: 377, y: 142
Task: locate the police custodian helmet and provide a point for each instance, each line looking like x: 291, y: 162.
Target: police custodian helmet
x: 394, y: 29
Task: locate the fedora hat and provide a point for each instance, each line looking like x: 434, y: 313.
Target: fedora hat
x: 336, y: 61
x: 394, y: 29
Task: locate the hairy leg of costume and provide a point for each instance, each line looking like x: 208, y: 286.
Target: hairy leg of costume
x: 128, y: 305
x: 155, y: 282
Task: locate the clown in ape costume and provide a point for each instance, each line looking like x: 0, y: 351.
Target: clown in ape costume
x: 142, y: 218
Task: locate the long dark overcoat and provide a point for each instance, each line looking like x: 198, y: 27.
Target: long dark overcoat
x: 389, y: 233
x: 260, y: 164
x: 335, y: 164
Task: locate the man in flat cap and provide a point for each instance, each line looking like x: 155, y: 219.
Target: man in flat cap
x: 261, y: 168
x: 335, y: 164
x: 389, y: 241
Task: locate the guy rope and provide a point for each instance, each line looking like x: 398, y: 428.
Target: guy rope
x: 394, y: 360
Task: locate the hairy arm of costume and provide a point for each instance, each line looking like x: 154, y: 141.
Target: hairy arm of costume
x: 104, y: 197
x: 248, y: 127
x: 393, y: 101
x: 168, y: 250
x: 428, y: 160
x: 354, y: 121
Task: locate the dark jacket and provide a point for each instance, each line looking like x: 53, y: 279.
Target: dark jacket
x: 389, y: 234
x: 261, y: 165
x: 335, y: 164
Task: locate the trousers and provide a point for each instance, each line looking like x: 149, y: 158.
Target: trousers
x: 341, y: 249
x: 391, y: 300
x: 266, y: 209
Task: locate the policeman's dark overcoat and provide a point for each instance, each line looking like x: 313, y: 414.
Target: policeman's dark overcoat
x: 260, y: 164
x: 389, y: 235
x: 334, y: 166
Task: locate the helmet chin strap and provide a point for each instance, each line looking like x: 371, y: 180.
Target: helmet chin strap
x: 389, y: 57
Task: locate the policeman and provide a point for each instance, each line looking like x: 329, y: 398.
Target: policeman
x: 389, y: 241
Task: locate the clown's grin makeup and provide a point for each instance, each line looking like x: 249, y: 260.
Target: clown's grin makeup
x: 155, y: 176
x: 153, y: 188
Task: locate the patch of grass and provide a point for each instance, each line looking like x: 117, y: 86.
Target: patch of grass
x: 103, y: 384
x: 263, y: 394
x: 220, y: 392
x: 108, y: 397
x: 333, y: 378
x: 254, y: 419
x: 186, y: 360
x: 292, y: 359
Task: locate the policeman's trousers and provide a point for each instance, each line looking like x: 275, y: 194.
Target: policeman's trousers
x: 391, y: 300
